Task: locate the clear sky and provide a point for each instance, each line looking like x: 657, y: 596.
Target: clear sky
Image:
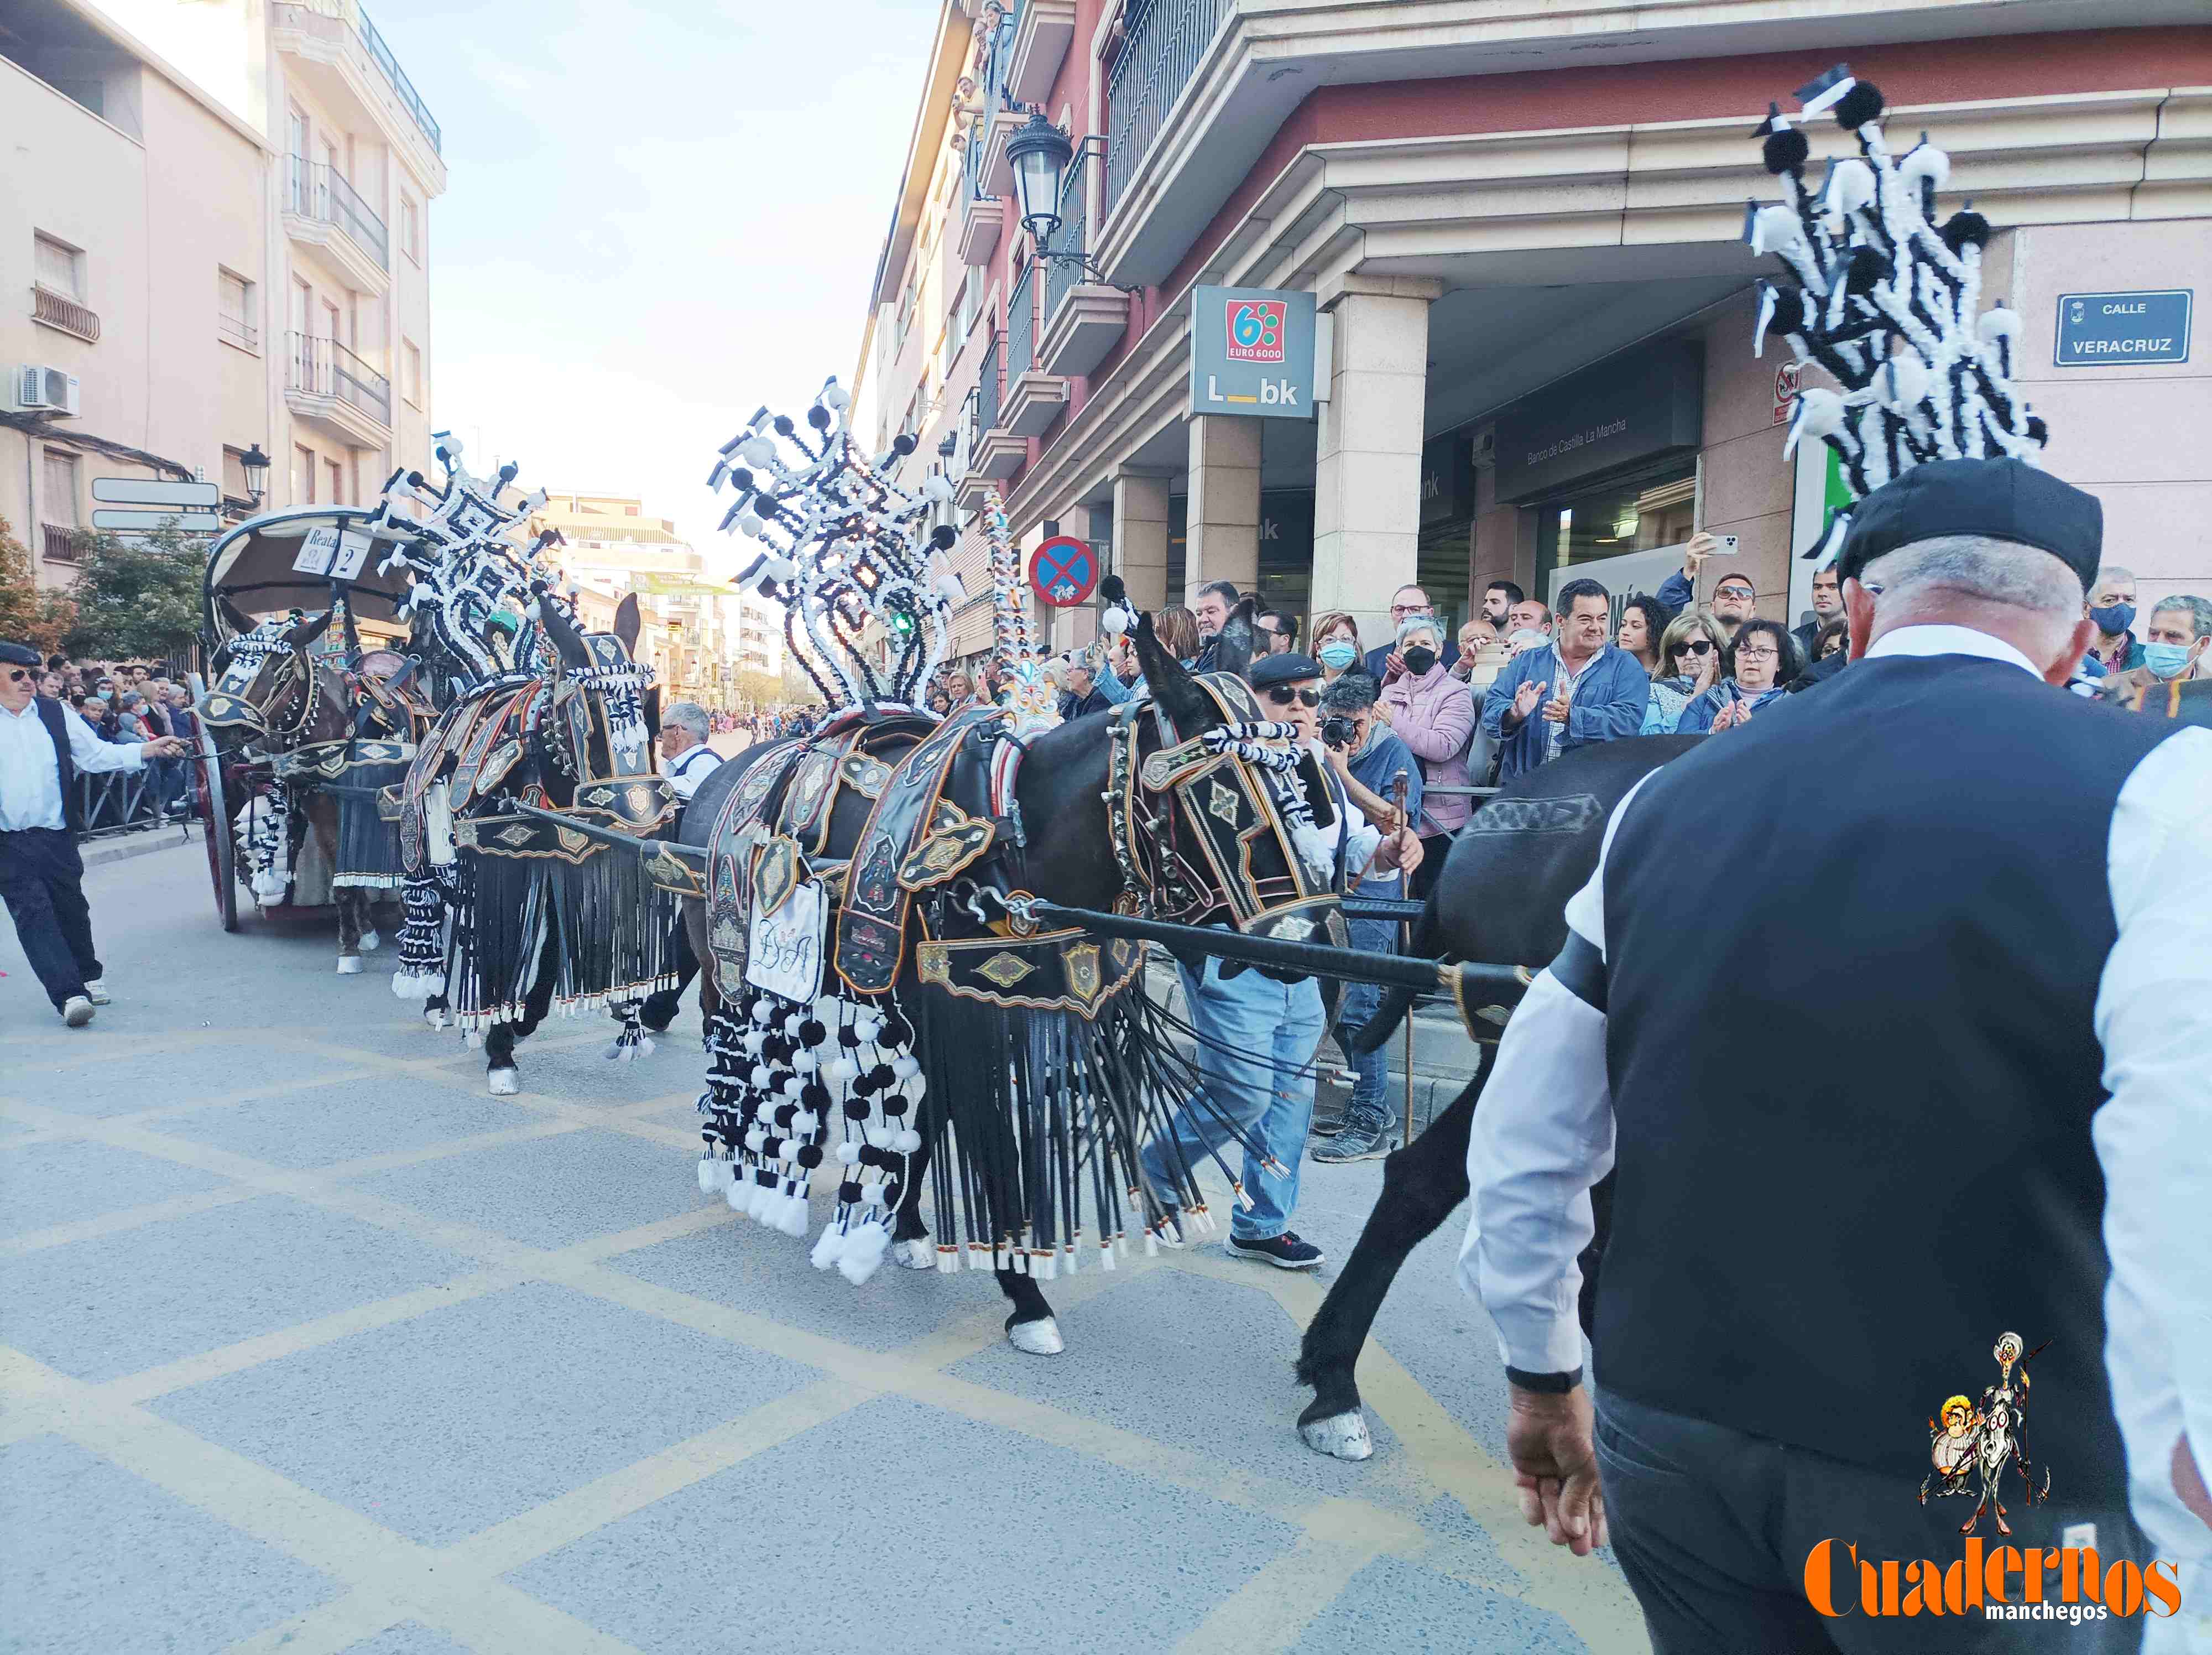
x: 657, y: 218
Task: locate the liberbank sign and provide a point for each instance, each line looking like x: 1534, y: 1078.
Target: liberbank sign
x: 1252, y: 352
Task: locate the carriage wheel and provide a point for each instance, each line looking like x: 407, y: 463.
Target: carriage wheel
x: 210, y: 805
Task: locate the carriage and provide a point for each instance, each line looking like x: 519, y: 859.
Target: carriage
x: 287, y: 797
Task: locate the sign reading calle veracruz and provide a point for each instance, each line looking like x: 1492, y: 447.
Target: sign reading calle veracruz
x: 1252, y: 352
x: 2107, y: 330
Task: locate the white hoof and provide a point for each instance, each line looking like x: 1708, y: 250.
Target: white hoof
x: 505, y: 1083
x: 370, y: 942
x: 920, y: 1254
x: 1340, y: 1436
x: 349, y: 965
x: 1038, y: 1338
x: 434, y: 1016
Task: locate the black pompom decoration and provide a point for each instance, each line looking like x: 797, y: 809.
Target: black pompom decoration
x: 815, y: 1096
x: 895, y: 1106
x: 818, y: 418
x: 849, y: 1038
x: 872, y: 1156
x: 2038, y: 432
x: 810, y: 1156
x: 1785, y: 150
x: 902, y: 444
x: 1111, y: 589
x: 784, y: 428
x: 944, y: 537
x: 897, y: 1031
x: 849, y: 1193
x: 1789, y: 310
x: 812, y: 1033
x: 878, y: 1078
x: 856, y: 1111
x: 742, y: 477
x: 1862, y: 104
x: 1868, y: 270
x: 784, y: 1114
x: 1964, y: 229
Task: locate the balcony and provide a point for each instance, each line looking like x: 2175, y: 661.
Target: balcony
x: 337, y: 393
x: 345, y: 59
x: 1084, y: 320
x: 1034, y: 399
x: 1043, y: 30
x: 323, y: 212
x: 982, y: 221
x: 59, y: 543
x: 994, y: 452
x: 996, y: 176
x: 63, y: 315
x: 1160, y: 51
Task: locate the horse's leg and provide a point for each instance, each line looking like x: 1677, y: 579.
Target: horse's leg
x: 500, y: 1038
x: 911, y: 1246
x: 348, y: 898
x: 1030, y: 1325
x: 1421, y: 1184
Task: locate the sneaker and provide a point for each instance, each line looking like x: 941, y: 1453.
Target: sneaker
x: 1361, y: 1142
x: 76, y: 1011
x: 96, y: 992
x: 1285, y: 1251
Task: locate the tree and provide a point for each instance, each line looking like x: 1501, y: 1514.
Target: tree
x: 40, y: 616
x: 138, y: 601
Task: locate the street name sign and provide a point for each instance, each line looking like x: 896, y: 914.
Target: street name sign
x: 2121, y: 329
x: 144, y: 522
x: 145, y: 491
x: 1252, y: 352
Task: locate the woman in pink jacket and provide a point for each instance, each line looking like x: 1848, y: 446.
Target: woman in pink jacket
x: 1434, y: 714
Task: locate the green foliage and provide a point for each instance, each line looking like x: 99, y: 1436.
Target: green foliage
x: 138, y: 601
x: 28, y: 614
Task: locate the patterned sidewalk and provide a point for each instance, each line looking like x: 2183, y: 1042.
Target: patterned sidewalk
x: 308, y: 1345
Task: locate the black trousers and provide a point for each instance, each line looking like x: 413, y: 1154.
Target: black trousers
x: 42, y: 878
x: 1714, y: 1528
x: 660, y: 1006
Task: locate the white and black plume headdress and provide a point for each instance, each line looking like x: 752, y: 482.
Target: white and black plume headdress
x: 842, y: 545
x: 1887, y: 300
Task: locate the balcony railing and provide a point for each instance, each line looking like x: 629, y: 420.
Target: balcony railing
x: 59, y: 311
x: 238, y: 331
x: 347, y: 12
x: 1063, y: 274
x: 321, y: 192
x: 988, y: 392
x: 1021, y: 327
x: 59, y: 543
x: 324, y: 368
x: 1164, y: 41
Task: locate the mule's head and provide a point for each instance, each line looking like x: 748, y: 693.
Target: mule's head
x: 268, y: 689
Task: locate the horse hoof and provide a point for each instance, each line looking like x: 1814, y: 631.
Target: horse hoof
x: 349, y: 965
x: 1039, y: 1338
x: 505, y: 1083
x: 920, y: 1254
x: 370, y: 942
x: 434, y: 1017
x: 1340, y: 1436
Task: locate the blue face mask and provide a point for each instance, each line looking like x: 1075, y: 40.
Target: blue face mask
x: 2113, y: 618
x: 2167, y: 661
x: 1338, y: 655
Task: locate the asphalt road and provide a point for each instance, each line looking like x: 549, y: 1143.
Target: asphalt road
x: 306, y: 1344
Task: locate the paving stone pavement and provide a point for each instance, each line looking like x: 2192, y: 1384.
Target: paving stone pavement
x: 308, y: 1345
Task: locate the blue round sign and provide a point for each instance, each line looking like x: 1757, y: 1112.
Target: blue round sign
x: 1063, y: 572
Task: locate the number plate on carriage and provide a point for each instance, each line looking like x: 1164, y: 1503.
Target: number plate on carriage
x: 783, y: 953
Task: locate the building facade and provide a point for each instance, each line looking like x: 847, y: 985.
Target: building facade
x: 1523, y: 241
x: 217, y: 216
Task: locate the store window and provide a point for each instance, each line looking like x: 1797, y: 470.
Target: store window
x: 1643, y: 510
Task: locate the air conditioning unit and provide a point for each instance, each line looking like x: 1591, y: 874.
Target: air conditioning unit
x: 41, y: 390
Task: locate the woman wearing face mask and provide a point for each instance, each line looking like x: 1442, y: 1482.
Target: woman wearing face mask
x: 1763, y: 657
x: 1689, y: 664
x: 1336, y: 643
x: 1434, y: 714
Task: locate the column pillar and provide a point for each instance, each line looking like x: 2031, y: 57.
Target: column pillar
x: 1367, y: 473
x: 1224, y: 521
x: 1140, y: 534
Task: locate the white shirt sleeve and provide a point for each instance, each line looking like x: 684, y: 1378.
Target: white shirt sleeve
x: 2154, y: 1136
x: 89, y: 753
x: 1542, y: 1137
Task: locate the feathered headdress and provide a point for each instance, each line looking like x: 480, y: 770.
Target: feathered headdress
x: 842, y: 545
x: 1887, y: 300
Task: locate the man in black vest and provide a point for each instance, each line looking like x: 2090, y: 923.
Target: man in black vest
x: 42, y: 747
x: 1808, y: 1267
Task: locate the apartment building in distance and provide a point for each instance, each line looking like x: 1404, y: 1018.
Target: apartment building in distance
x: 699, y: 634
x: 214, y: 229
x: 1524, y: 235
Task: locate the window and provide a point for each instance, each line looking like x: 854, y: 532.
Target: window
x: 411, y: 363
x: 303, y: 476
x: 234, y: 474
x: 58, y: 504
x: 336, y: 476
x: 60, y: 267
x: 410, y: 227
x: 233, y: 311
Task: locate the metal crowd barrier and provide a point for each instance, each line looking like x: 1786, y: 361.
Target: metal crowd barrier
x: 122, y: 801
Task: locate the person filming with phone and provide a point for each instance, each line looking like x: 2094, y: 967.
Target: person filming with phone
x: 1736, y: 600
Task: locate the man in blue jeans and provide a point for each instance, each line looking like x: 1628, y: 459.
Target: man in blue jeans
x: 1257, y: 1037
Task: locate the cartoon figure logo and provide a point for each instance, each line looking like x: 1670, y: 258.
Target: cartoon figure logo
x: 1974, y: 1444
x: 1257, y: 328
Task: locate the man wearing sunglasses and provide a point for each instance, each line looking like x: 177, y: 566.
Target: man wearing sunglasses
x: 1257, y: 1037
x: 41, y: 875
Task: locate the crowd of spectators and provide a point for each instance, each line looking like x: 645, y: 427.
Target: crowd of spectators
x: 128, y: 702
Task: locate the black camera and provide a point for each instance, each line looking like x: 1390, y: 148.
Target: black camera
x: 1338, y: 731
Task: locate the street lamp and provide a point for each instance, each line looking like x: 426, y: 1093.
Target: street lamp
x: 255, y: 465
x: 1040, y: 155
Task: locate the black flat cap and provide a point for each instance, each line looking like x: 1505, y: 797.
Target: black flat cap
x: 2003, y: 499
x: 16, y: 655
x: 1268, y: 671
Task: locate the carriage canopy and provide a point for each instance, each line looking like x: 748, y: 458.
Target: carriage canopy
x: 257, y: 567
